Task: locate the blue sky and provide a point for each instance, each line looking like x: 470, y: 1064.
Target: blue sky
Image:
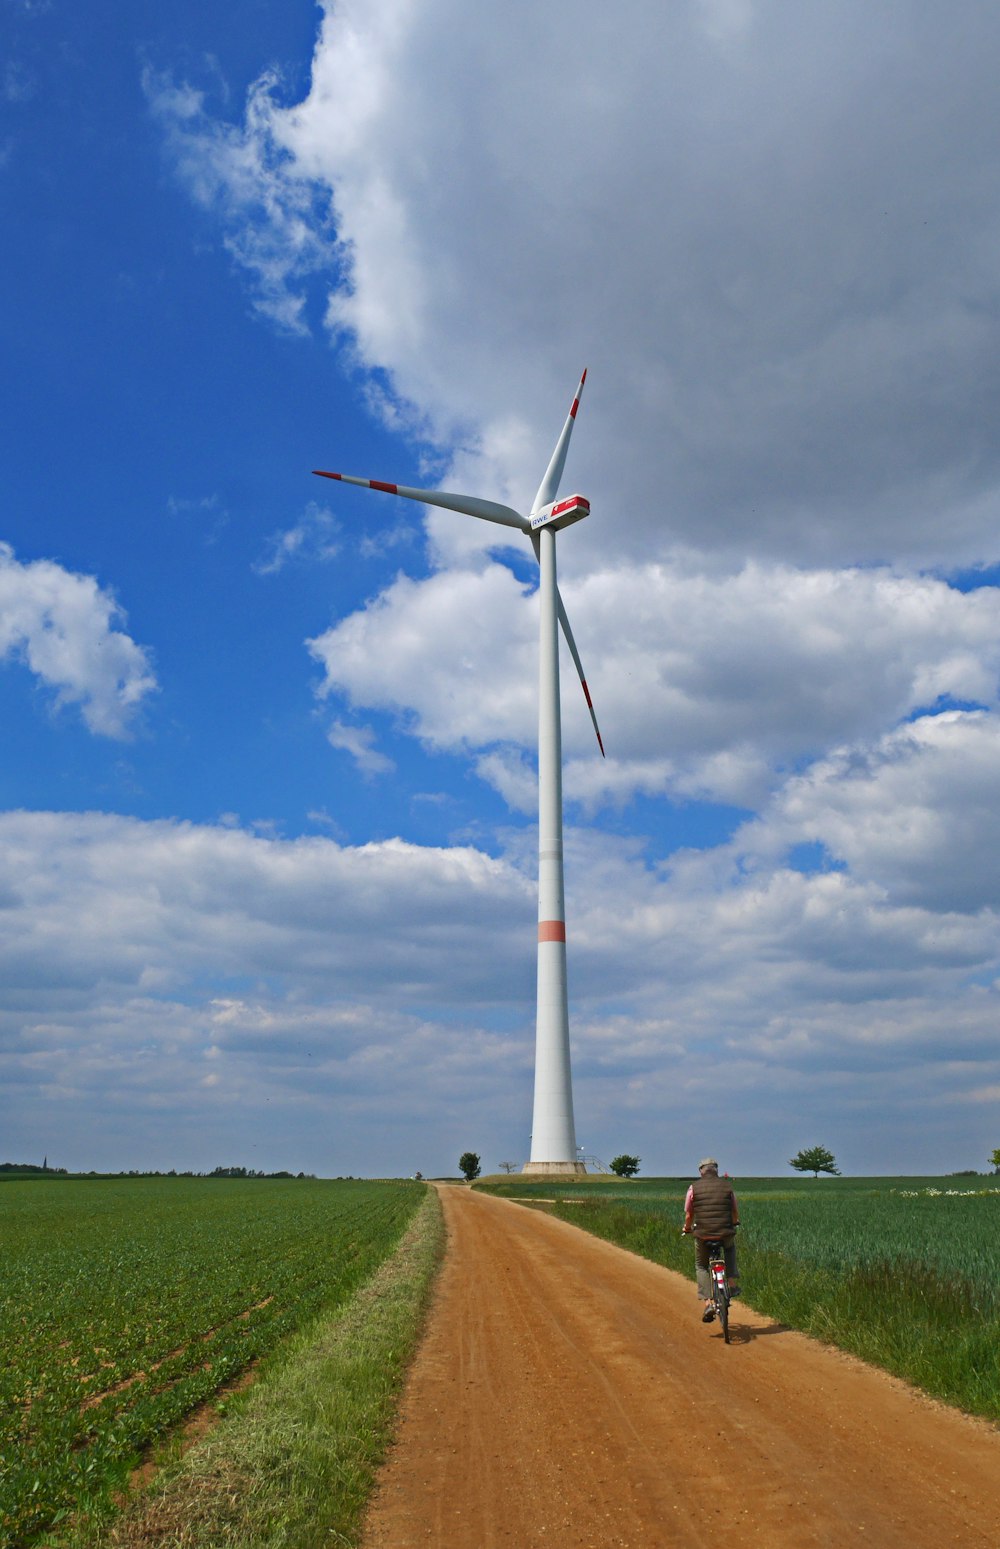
x: 266, y: 804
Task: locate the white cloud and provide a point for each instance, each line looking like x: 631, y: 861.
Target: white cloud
x: 355, y: 988
x: 916, y: 813
x: 705, y: 686
x: 114, y: 898
x: 359, y: 741
x: 330, y: 980
x: 312, y: 540
x: 768, y: 231
x: 435, y: 641
x: 510, y: 773
x: 274, y: 222
x: 61, y: 625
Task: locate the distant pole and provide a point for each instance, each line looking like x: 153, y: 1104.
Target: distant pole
x: 553, y: 1133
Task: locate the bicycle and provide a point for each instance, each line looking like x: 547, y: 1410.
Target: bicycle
x: 720, y: 1284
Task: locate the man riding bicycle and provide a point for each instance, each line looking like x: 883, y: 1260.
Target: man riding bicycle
x: 712, y: 1214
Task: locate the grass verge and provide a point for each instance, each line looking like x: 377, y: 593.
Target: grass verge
x: 294, y: 1461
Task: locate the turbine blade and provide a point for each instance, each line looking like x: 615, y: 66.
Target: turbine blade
x: 536, y: 544
x: 564, y: 621
x: 469, y: 505
x: 549, y: 486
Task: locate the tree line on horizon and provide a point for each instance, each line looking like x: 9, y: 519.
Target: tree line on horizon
x: 32, y: 1170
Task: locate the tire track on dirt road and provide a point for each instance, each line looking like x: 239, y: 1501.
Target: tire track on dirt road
x: 566, y: 1394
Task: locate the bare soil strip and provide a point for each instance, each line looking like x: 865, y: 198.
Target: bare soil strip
x: 94, y: 1399
x: 567, y: 1394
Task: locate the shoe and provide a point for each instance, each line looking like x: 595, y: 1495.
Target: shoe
x: 708, y: 1316
x: 734, y: 1292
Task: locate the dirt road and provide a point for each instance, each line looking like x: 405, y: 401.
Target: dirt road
x: 567, y: 1394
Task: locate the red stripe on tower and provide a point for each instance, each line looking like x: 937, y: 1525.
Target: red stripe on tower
x: 552, y: 930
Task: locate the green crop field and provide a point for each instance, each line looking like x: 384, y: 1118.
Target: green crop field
x: 124, y: 1303
x: 904, y: 1272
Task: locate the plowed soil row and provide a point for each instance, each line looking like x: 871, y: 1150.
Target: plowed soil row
x: 567, y: 1394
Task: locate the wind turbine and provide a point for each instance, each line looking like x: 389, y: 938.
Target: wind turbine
x: 553, y: 1135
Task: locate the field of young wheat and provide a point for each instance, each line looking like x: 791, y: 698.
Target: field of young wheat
x: 124, y: 1303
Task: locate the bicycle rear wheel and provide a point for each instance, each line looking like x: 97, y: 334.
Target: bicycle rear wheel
x: 722, y: 1310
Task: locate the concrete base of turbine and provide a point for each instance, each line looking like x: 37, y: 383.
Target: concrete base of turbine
x: 555, y: 1169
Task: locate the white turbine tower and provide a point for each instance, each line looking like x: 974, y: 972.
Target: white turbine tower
x: 553, y: 1137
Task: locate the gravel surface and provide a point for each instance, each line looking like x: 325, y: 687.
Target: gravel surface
x: 567, y: 1394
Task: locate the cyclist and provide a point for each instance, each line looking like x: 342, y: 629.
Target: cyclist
x: 712, y: 1214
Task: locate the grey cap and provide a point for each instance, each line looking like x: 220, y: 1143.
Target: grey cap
x: 708, y: 1162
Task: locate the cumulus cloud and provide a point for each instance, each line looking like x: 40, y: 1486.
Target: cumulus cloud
x: 350, y: 986
x: 435, y: 639
x: 138, y: 958
x: 61, y: 625
x: 915, y: 813
x: 769, y: 231
x: 705, y: 686
x: 117, y: 899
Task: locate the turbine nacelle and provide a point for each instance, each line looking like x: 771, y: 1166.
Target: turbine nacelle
x: 547, y: 512
x: 561, y: 513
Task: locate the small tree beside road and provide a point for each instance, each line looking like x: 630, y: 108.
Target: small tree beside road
x: 625, y: 1166
x: 468, y: 1165
x: 995, y: 1160
x: 815, y: 1160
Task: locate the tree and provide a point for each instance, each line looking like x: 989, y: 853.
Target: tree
x: 995, y: 1160
x: 815, y: 1160
x: 625, y: 1166
x: 468, y: 1164
x: 508, y: 1167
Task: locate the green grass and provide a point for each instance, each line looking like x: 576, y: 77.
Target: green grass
x: 124, y: 1304
x: 293, y: 1463
x: 904, y: 1272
